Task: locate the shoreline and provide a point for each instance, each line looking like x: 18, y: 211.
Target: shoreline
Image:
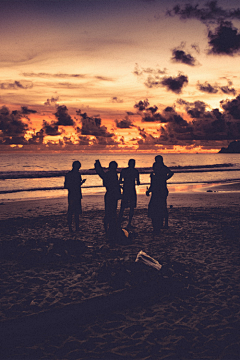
x: 207, y: 196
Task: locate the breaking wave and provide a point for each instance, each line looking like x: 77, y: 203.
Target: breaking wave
x: 145, y: 170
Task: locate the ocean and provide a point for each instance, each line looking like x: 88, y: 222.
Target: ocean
x: 32, y: 176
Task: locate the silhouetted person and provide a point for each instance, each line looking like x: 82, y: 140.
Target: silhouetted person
x: 157, y: 208
x: 73, y: 182
x: 112, y: 195
x: 129, y: 177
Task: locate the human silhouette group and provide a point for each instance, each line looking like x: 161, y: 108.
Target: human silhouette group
x: 122, y: 188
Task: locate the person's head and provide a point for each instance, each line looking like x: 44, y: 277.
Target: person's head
x: 159, y: 159
x: 112, y: 165
x: 76, y: 165
x: 131, y: 163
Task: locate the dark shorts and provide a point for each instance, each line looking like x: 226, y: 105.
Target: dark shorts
x: 74, y: 205
x: 129, y: 200
x: 110, y: 206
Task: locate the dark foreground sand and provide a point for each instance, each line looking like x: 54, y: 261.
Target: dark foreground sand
x: 78, y: 297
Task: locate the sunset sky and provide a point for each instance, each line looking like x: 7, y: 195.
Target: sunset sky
x: 109, y: 75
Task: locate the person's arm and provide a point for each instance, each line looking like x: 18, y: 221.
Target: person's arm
x: 66, y: 182
x: 149, y: 190
x: 170, y: 173
x: 82, y: 181
x: 121, y: 178
x: 137, y: 178
x: 99, y: 169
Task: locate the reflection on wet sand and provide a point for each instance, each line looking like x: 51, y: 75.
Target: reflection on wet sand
x: 216, y: 187
x: 187, y: 187
x: 228, y: 187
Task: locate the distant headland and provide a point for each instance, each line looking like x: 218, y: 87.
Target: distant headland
x: 233, y: 148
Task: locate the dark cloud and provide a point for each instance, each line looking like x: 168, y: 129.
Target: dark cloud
x: 208, y: 88
x: 16, y: 85
x: 227, y: 90
x: 149, y: 117
x: 206, y: 125
x: 37, y: 138
x: 26, y: 111
x: 66, y: 85
x: 151, y: 114
x: 225, y: 40
x: 115, y: 99
x: 168, y: 109
x: 178, y: 123
x: 213, y: 89
x: 64, y: 119
x: 143, y: 71
x: 66, y: 76
x: 153, y: 109
x: 12, y: 127
x: 83, y: 140
x: 175, y: 84
x: 146, y: 140
x: 232, y: 107
x: 180, y: 56
x: 103, y: 78
x: 50, y: 129
x: 153, y: 78
x: 124, y: 123
x: 196, y: 109
x: 214, y: 124
x: 48, y: 75
x: 196, y: 48
x: 51, y: 101
x: 153, y: 81
x: 92, y: 126
x: 106, y: 141
x: 210, y: 13
x: 97, y: 142
x: 142, y: 105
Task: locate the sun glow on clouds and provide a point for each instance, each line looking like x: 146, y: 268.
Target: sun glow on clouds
x: 103, y: 58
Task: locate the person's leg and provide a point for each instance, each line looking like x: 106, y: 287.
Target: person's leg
x: 120, y: 215
x: 69, y: 220
x: 131, y: 212
x: 166, y: 221
x: 105, y: 224
x: 106, y: 216
x: 154, y: 224
x: 165, y: 214
x: 160, y: 222
x: 113, y: 223
x: 76, y: 217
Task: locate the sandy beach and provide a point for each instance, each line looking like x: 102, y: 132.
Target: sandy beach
x: 75, y: 296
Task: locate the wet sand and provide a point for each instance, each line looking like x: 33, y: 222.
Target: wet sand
x: 75, y: 296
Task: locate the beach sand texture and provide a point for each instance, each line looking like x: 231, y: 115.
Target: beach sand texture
x: 78, y: 297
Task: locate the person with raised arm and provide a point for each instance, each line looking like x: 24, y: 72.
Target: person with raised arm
x: 112, y: 195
